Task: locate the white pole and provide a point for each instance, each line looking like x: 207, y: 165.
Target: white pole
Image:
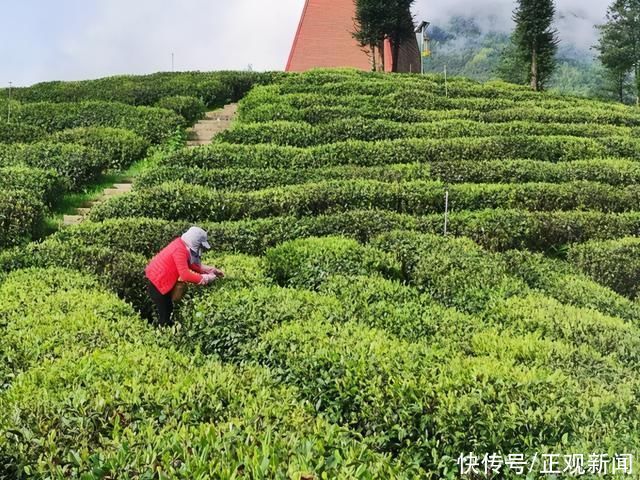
x: 422, y: 52
x: 446, y: 87
x: 446, y: 211
x: 9, y: 104
x: 173, y: 62
x: 421, y: 46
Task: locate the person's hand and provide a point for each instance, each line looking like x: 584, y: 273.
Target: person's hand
x: 217, y: 272
x: 214, y: 270
x: 207, y: 278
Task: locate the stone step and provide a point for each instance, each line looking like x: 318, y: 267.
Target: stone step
x: 208, y: 130
x: 198, y: 143
x: 211, y: 123
x: 221, y: 121
x: 213, y: 126
x: 83, y: 211
x: 201, y: 135
x: 196, y: 137
x: 219, y: 117
x: 72, y: 219
x: 118, y: 189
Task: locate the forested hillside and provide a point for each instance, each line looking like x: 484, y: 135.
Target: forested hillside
x: 471, y: 50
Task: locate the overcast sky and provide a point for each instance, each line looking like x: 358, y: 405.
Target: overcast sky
x: 75, y: 39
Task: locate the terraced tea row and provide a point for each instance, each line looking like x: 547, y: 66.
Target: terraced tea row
x: 175, y: 201
x: 86, y: 355
x: 606, y: 171
x: 349, y: 337
x: 300, y: 134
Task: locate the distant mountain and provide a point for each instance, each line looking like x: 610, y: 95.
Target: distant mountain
x: 468, y: 51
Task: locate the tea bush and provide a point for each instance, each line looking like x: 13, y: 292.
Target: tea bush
x: 42, y: 184
x: 121, y: 147
x: 11, y: 132
x: 456, y: 87
x: 247, y: 179
x: 228, y: 323
x: 496, y: 230
x: 158, y: 412
x: 240, y: 270
x: 559, y: 280
x: 178, y: 200
x: 122, y: 272
x: 613, y: 263
x: 104, y: 379
x: 214, y: 88
x: 21, y: 217
x: 501, y: 229
x: 191, y: 108
x: 78, y: 166
x: 80, y: 317
x: 455, y: 272
x: 402, y: 311
x: 147, y: 236
x: 153, y: 124
x: 308, y: 262
x: 407, y: 314
x: 347, y: 372
x: 548, y: 318
x: 388, y: 152
x: 417, y: 94
x: 299, y: 134
x: 414, y: 106
x: 608, y: 171
x: 127, y: 235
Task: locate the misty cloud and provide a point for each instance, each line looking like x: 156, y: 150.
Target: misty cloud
x: 75, y: 39
x: 575, y: 18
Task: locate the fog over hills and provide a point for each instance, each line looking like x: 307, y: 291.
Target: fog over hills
x: 469, y: 38
x: 575, y: 19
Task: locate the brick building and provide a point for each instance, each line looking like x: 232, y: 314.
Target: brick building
x: 324, y: 39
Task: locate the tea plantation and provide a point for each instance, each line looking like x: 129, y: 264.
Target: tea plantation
x: 351, y: 337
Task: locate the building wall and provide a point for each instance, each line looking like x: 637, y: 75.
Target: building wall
x: 410, y: 58
x: 325, y: 39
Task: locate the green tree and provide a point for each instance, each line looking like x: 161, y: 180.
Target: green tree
x: 536, y: 39
x: 619, y: 44
x: 512, y: 66
x: 370, y: 28
x: 399, y: 27
x: 380, y: 20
